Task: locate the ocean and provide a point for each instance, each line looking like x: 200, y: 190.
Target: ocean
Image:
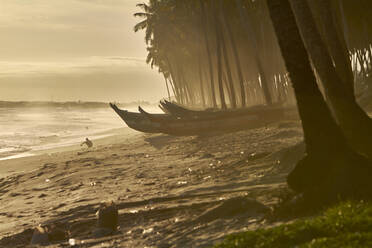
x: 24, y: 130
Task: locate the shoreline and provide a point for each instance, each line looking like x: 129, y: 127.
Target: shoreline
x: 14, y: 164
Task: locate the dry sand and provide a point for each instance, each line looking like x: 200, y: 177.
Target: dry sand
x: 170, y: 191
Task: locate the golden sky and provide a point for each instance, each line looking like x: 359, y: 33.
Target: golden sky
x: 74, y: 50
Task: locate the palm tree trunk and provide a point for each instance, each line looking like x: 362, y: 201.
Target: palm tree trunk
x: 188, y: 96
x: 336, y: 44
x: 175, y: 82
x: 345, y: 28
x: 237, y: 59
x: 166, y: 83
x: 172, y: 86
x: 228, y: 71
x: 208, y: 93
x: 219, y: 59
x: 264, y: 85
x: 201, y: 83
x: 226, y: 85
x: 184, y: 86
x: 210, y: 63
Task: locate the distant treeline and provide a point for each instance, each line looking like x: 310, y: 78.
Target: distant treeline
x: 70, y: 104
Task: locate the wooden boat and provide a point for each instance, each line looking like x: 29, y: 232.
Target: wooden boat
x: 214, y: 124
x: 137, y: 121
x: 229, y: 121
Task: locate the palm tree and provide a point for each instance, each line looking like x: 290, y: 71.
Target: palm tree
x: 174, y: 29
x: 331, y: 168
x: 355, y: 123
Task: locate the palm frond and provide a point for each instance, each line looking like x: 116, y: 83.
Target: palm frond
x: 140, y: 26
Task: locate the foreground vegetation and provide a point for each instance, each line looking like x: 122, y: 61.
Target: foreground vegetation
x: 348, y: 224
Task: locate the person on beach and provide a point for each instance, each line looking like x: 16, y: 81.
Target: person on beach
x: 87, y: 142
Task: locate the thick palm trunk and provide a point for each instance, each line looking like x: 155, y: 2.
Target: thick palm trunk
x: 209, y: 57
x: 335, y: 42
x: 219, y: 59
x: 345, y: 29
x: 331, y: 168
x: 355, y: 123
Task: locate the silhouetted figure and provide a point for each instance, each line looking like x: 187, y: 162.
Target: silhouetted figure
x: 87, y: 142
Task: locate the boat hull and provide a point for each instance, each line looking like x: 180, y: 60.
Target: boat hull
x: 205, y: 125
x: 213, y: 124
x: 137, y: 121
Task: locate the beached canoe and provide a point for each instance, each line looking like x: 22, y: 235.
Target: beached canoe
x: 213, y: 124
x: 201, y: 125
x: 137, y: 121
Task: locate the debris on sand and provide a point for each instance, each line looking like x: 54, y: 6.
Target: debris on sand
x: 107, y: 222
x: 44, y: 235
x: 40, y: 236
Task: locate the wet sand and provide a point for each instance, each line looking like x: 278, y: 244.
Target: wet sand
x: 170, y: 191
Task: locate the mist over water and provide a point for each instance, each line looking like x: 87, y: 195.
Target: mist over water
x: 59, y: 51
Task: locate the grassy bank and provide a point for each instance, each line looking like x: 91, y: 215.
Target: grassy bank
x: 345, y: 225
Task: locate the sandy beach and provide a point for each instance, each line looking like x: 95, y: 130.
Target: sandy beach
x: 170, y: 191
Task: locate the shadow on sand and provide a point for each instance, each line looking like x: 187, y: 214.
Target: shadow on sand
x: 160, y: 141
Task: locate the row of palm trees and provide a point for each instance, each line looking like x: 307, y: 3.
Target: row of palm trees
x: 233, y: 53
x: 224, y: 53
x: 201, y: 49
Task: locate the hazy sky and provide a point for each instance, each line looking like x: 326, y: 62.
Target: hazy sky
x: 74, y: 50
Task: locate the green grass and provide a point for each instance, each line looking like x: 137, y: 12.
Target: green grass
x: 345, y: 225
